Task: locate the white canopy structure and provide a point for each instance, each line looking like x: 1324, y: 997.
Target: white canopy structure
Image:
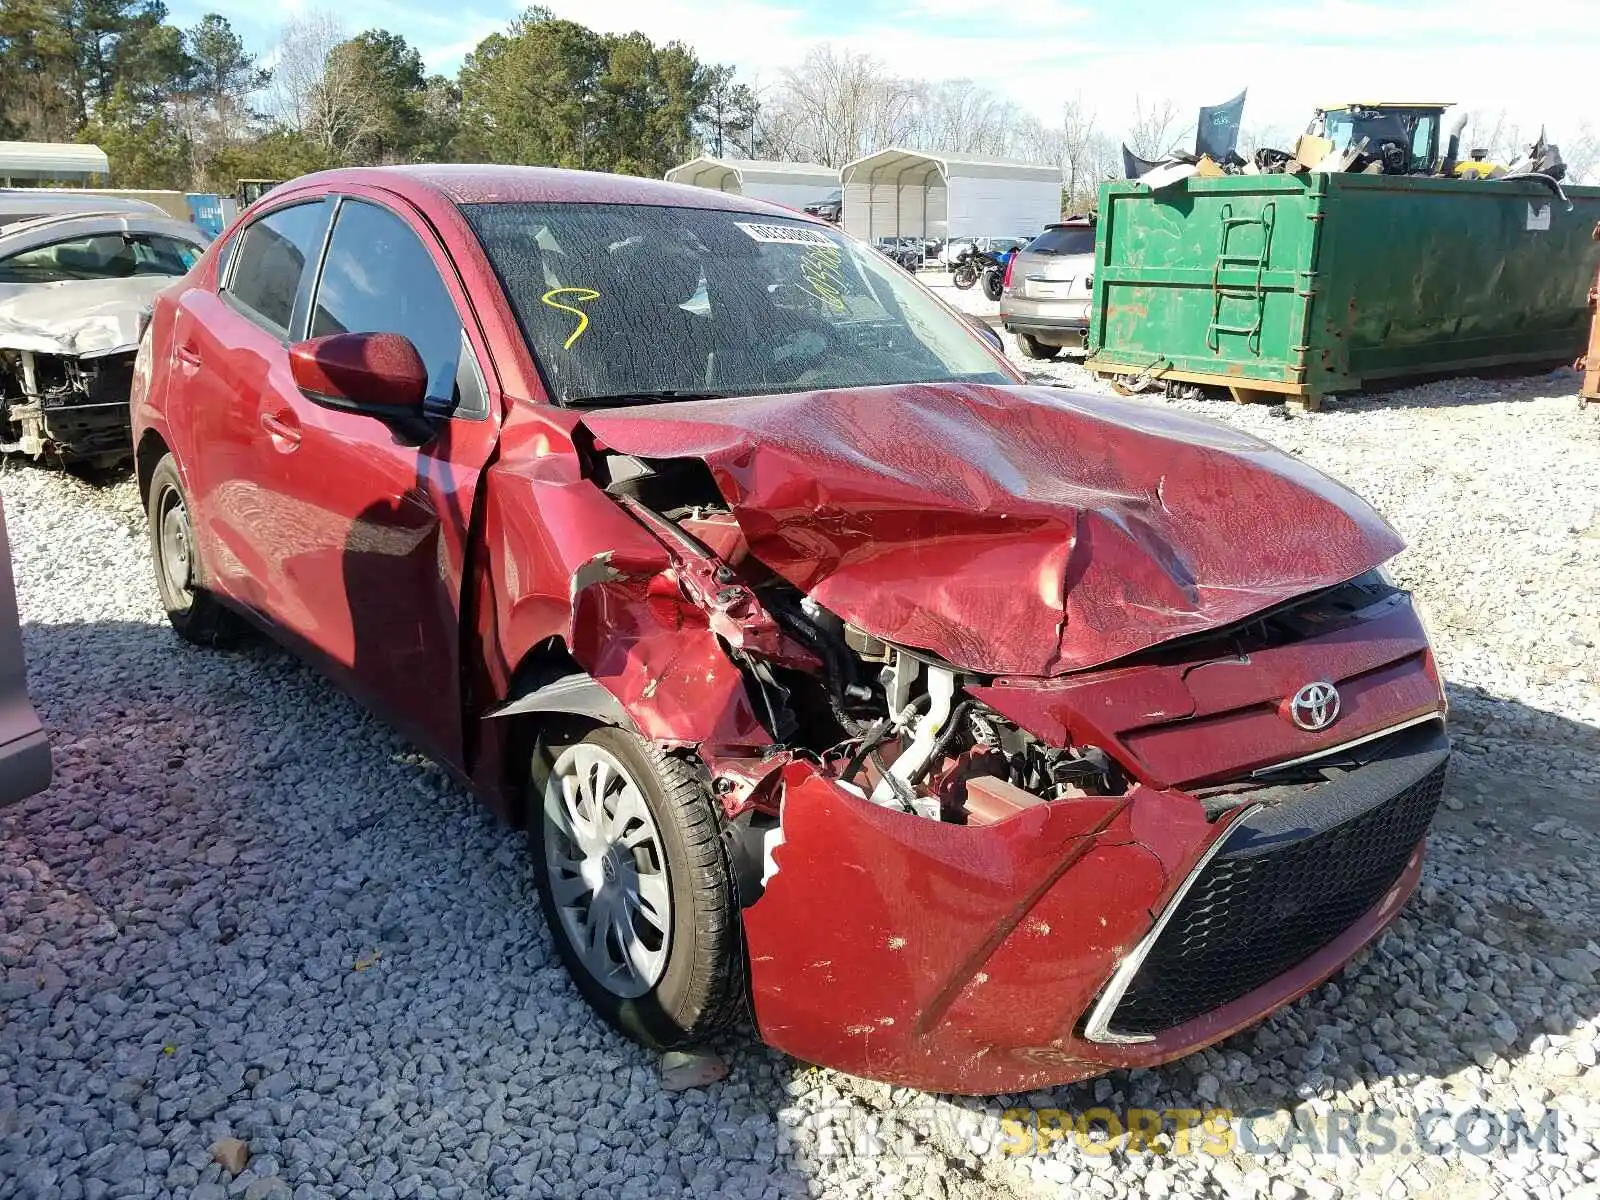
x: 789, y: 183
x: 912, y: 193
x: 52, y: 162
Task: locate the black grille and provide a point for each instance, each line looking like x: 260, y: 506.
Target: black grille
x: 1261, y: 906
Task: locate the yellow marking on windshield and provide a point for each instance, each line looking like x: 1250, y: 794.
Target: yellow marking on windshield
x: 822, y: 268
x: 580, y: 295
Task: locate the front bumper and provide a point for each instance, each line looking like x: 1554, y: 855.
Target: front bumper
x: 1077, y: 937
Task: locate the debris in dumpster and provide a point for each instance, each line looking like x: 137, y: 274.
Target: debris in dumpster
x: 1168, y: 174
x: 1349, y: 158
x: 1216, y: 150
x: 1269, y: 161
x: 1217, y: 131
x: 1309, y: 151
x: 1542, y: 162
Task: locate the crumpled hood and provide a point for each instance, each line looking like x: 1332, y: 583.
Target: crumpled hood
x: 76, y: 316
x: 1014, y: 530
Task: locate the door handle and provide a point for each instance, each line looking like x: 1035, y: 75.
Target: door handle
x: 285, y: 431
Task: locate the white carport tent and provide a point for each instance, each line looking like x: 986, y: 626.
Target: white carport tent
x: 915, y: 193
x: 794, y: 184
x: 51, y: 162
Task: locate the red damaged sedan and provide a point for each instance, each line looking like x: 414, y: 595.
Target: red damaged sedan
x: 973, y: 736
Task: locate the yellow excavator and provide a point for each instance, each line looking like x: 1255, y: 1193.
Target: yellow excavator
x: 1403, y: 136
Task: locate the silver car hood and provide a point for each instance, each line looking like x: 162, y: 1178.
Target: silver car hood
x: 78, y: 317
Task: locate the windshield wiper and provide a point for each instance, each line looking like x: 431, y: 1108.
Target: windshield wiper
x: 662, y: 396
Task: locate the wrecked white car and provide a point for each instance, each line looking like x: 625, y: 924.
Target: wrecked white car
x: 75, y: 292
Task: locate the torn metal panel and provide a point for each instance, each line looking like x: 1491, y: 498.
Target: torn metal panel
x: 1023, y: 531
x: 573, y: 566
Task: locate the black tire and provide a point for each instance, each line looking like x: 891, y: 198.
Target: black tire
x: 701, y: 990
x: 993, y: 284
x: 195, y: 613
x: 964, y: 276
x: 1032, y: 347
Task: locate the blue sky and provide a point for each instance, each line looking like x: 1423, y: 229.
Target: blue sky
x: 1537, y: 62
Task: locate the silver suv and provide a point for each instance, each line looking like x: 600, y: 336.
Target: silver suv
x: 1046, y: 298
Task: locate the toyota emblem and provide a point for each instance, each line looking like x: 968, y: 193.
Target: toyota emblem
x: 1315, y: 706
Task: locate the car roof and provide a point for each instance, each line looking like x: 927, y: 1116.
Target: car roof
x: 35, y: 201
x: 466, y: 183
x: 46, y: 231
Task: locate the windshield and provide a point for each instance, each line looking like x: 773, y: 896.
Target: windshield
x: 101, y: 256
x: 624, y: 301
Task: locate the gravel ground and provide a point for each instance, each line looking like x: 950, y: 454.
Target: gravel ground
x: 246, y: 910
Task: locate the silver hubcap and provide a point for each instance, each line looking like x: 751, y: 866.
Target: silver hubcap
x: 175, y: 552
x: 608, y: 874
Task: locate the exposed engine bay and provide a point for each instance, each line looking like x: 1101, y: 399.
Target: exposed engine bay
x: 899, y: 726
x: 65, y: 407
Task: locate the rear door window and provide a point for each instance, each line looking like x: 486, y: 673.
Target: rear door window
x: 380, y: 278
x: 270, y: 262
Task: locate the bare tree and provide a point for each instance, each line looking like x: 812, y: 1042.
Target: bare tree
x: 1088, y: 154
x: 1155, y: 129
x: 838, y: 105
x: 1496, y: 133
x: 315, y: 91
x: 1582, y: 155
x: 963, y: 117
x: 1262, y: 137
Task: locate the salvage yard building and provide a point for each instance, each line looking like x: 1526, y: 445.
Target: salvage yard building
x: 912, y: 193
x: 794, y: 184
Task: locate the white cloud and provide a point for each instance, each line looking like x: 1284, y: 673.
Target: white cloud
x: 758, y: 37
x: 1022, y: 19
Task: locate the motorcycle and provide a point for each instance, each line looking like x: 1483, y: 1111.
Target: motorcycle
x: 978, y: 265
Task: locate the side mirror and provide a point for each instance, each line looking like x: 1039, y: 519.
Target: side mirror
x: 377, y: 374
x: 986, y: 331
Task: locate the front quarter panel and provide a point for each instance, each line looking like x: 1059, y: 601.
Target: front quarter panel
x: 564, y: 565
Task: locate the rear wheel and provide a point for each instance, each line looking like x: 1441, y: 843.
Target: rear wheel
x: 636, y: 888
x: 1032, y: 347
x: 195, y: 613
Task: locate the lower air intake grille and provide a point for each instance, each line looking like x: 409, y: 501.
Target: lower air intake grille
x: 1256, y: 911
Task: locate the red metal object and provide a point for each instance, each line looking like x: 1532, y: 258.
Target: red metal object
x: 1064, y: 511
x: 378, y: 369
x: 947, y: 964
x: 1035, y: 537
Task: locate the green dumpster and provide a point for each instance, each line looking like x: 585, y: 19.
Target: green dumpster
x: 1307, y: 285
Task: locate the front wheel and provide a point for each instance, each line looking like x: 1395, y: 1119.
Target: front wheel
x: 965, y: 276
x: 993, y: 284
x: 195, y: 614
x: 636, y: 888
